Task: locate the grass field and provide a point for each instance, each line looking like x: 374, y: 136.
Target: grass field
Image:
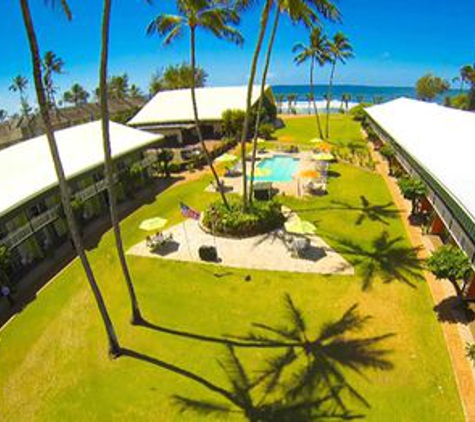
x: 53, y: 357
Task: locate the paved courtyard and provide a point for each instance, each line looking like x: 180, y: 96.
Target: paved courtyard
x: 265, y: 252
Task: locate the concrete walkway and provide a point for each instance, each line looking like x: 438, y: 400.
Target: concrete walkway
x: 456, y: 334
x: 266, y: 252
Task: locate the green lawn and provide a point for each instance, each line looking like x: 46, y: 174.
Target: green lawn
x: 53, y: 360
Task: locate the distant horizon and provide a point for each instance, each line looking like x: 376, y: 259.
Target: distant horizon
x: 395, y: 43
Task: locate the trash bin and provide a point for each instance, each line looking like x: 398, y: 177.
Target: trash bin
x: 208, y: 253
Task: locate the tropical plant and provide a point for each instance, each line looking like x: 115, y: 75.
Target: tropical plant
x: 135, y: 92
x: 340, y: 51
x: 429, y: 86
x: 76, y: 95
x: 118, y: 86
x: 467, y: 75
x: 232, y: 121
x: 114, y: 347
x: 450, y: 263
x: 177, y: 76
x: 165, y: 157
x: 209, y: 16
x: 300, y: 11
x: 414, y: 190
x: 266, y: 131
x: 3, y: 115
x: 52, y: 64
x: 279, y: 98
x: 317, y: 53
x: 20, y: 85
x: 387, y: 151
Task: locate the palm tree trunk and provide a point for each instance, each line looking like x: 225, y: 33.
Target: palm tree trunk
x: 314, y: 101
x: 329, y: 98
x: 209, y: 160
x: 136, y: 317
x: 261, y: 100
x: 250, y: 85
x: 114, y: 347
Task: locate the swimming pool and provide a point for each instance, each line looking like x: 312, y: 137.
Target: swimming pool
x: 281, y: 168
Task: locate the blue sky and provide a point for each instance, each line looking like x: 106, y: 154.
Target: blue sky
x: 395, y: 42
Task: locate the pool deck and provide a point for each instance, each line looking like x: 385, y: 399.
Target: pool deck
x: 265, y: 252
x: 292, y: 188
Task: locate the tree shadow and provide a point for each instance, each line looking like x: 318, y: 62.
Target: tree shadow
x: 385, y: 257
x: 453, y: 310
x: 313, y: 361
x: 373, y: 212
x: 237, y: 398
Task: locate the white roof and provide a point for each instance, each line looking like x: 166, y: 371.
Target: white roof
x: 26, y: 169
x: 441, y: 139
x: 176, y: 105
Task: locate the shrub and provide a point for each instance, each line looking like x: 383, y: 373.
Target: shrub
x: 414, y: 190
x: 232, y: 121
x: 358, y: 112
x: 261, y: 217
x: 266, y: 130
x: 449, y: 262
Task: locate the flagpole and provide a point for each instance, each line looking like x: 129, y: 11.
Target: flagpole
x: 186, y: 239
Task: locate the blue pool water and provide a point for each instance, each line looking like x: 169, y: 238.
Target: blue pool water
x: 281, y: 168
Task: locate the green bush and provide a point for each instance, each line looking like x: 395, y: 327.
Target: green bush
x: 261, y: 217
x: 358, y: 112
x: 266, y: 130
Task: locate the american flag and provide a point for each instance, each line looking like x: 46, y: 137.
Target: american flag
x: 188, y: 212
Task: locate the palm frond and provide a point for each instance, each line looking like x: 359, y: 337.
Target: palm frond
x: 64, y: 7
x: 163, y: 25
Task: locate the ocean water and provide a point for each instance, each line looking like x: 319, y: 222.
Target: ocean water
x: 370, y: 94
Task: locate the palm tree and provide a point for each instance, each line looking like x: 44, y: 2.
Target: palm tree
x: 135, y: 92
x: 52, y: 64
x: 318, y: 53
x: 20, y: 85
x: 250, y: 85
x: 301, y: 11
x: 280, y: 99
x: 340, y: 51
x: 118, y: 87
x: 211, y: 17
x: 76, y: 95
x: 291, y: 98
x: 114, y: 347
x: 136, y: 317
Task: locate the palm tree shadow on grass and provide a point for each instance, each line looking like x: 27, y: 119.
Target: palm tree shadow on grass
x: 385, y: 257
x: 238, y: 398
x: 380, y: 213
x: 317, y: 360
x: 303, y: 381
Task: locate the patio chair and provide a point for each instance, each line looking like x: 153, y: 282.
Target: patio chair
x: 233, y: 171
x: 299, y: 245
